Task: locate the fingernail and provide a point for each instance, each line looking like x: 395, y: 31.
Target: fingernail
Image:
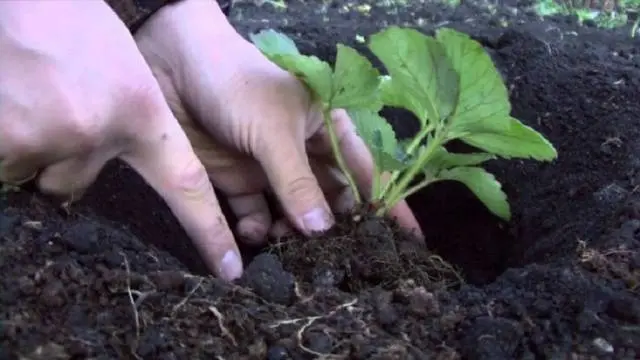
x: 231, y: 266
x: 317, y: 220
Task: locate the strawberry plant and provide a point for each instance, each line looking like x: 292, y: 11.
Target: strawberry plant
x: 447, y: 81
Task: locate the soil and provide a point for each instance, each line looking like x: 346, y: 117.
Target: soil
x: 114, y: 276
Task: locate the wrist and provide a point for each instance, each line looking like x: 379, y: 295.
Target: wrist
x: 135, y: 12
x: 45, y: 11
x: 44, y: 19
x: 193, y: 17
x: 188, y: 31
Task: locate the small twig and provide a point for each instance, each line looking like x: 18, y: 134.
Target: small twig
x: 309, y: 321
x: 136, y: 316
x: 299, y: 339
x: 223, y: 329
x: 141, y: 296
x: 445, y: 266
x: 316, y: 317
x: 130, y: 293
x: 186, y: 298
x: 634, y: 28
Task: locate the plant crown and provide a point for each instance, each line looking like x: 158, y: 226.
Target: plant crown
x: 447, y: 81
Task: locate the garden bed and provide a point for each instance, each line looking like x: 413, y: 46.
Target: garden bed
x: 562, y: 279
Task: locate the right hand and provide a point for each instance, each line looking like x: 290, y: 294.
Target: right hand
x: 75, y: 92
x: 253, y: 125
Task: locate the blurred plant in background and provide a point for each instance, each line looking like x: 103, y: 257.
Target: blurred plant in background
x: 603, y: 13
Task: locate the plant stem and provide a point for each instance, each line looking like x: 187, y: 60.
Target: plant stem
x: 375, y: 186
x: 337, y: 153
x: 395, y: 194
x: 410, y: 150
x: 412, y: 190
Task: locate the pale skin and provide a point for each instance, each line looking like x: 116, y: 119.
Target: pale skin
x: 188, y: 103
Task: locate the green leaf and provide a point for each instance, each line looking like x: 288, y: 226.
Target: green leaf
x: 355, y: 81
x: 422, y: 78
x: 484, y: 185
x: 390, y: 95
x: 509, y: 138
x: 442, y: 159
x: 380, y: 139
x: 273, y: 42
x: 482, y: 116
x: 282, y: 51
x: 482, y: 93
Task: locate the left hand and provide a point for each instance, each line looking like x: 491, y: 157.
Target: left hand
x: 252, y: 124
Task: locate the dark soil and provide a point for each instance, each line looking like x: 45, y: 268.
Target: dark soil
x: 561, y: 281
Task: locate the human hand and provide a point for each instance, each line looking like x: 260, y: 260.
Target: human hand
x: 74, y: 93
x: 253, y: 125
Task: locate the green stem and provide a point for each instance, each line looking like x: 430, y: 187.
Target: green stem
x: 410, y: 150
x: 412, y: 190
x: 375, y: 186
x: 395, y: 194
x: 634, y: 28
x: 337, y: 153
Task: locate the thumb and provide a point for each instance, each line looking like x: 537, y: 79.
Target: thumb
x: 167, y: 162
x: 286, y: 164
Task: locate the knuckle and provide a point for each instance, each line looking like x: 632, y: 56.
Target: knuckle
x: 76, y: 121
x: 221, y: 231
x: 303, y: 188
x: 191, y: 178
x: 143, y: 98
x: 84, y: 131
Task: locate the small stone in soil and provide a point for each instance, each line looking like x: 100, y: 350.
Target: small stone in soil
x: 268, y: 279
x: 423, y: 303
x: 373, y: 228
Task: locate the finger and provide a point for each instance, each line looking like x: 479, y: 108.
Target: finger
x: 254, y: 217
x: 280, y: 229
x: 360, y: 162
x: 70, y: 178
x: 165, y: 159
x: 284, y: 160
x: 334, y: 185
x: 402, y: 214
x: 239, y: 177
x: 242, y: 180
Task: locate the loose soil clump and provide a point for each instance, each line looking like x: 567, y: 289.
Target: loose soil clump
x: 114, y: 276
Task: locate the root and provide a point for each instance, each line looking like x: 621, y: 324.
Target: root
x: 442, y: 266
x: 309, y: 320
x: 186, y: 298
x: 223, y: 329
x: 613, y: 263
x: 134, y: 306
